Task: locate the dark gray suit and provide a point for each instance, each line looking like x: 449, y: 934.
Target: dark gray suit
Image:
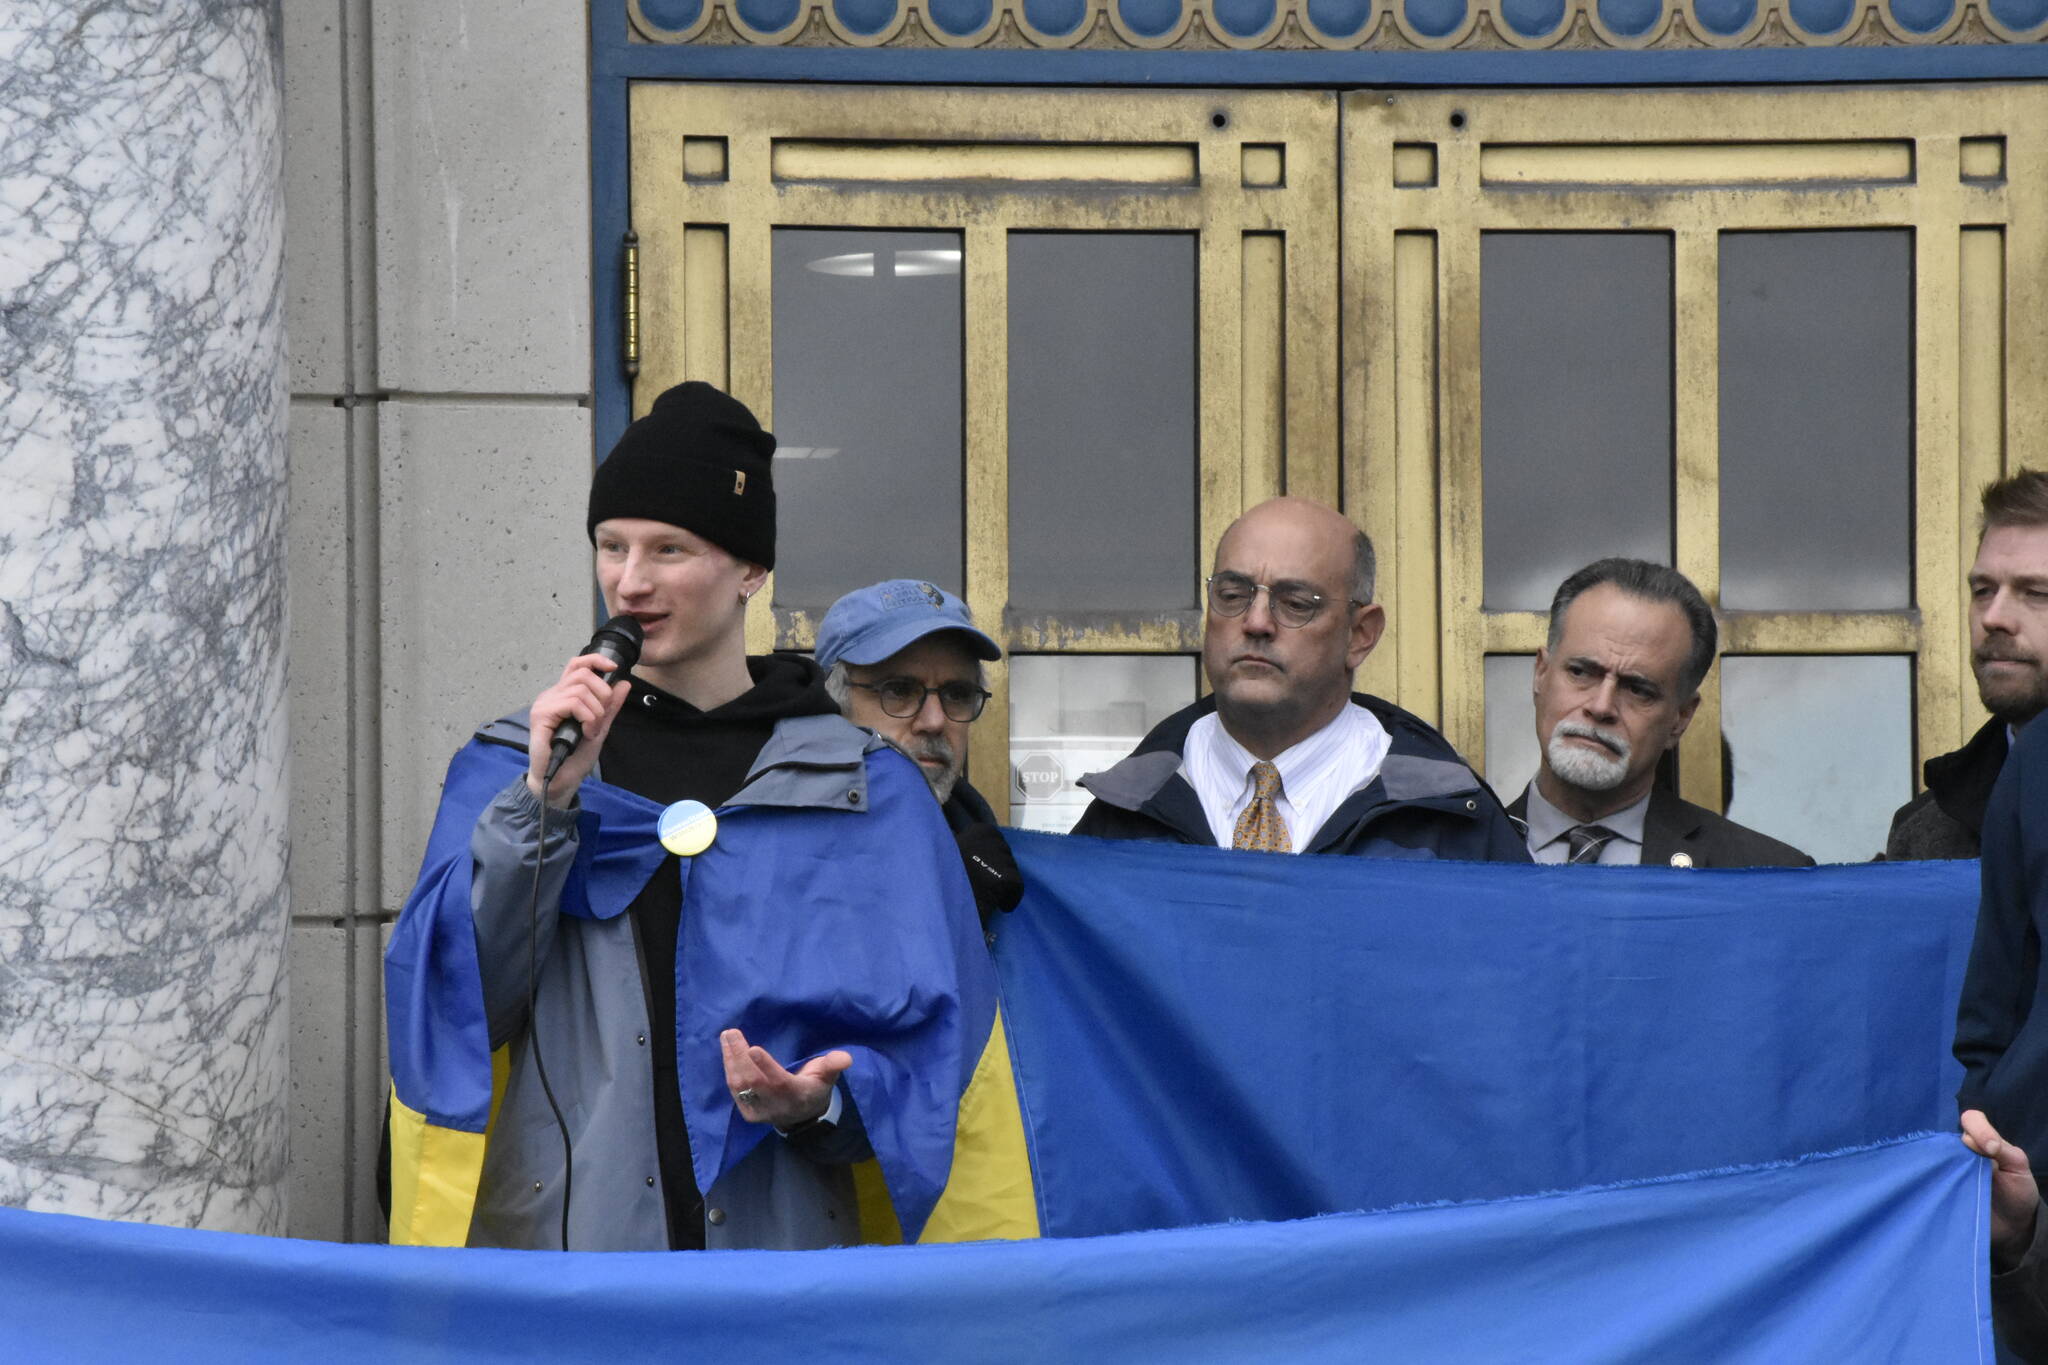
x: 1672, y: 827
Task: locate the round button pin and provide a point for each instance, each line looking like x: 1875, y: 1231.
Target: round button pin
x: 687, y: 828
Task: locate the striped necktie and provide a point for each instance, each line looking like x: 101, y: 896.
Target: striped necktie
x: 1586, y: 841
x: 1261, y: 826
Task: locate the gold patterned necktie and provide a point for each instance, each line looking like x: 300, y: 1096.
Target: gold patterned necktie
x: 1261, y: 826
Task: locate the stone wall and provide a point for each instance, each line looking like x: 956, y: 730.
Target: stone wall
x: 438, y: 280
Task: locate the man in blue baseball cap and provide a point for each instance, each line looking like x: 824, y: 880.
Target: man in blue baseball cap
x: 904, y: 659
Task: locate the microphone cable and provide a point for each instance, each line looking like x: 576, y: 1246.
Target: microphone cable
x: 618, y: 640
x: 532, y: 1001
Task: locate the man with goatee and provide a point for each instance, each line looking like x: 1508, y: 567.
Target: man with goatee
x: 1616, y: 685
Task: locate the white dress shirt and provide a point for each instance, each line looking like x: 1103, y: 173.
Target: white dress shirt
x: 1315, y: 775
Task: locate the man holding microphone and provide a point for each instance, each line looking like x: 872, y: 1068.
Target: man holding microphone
x: 719, y: 852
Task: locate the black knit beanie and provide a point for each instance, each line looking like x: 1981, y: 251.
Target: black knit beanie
x: 698, y: 460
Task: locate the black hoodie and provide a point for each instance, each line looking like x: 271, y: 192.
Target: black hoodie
x: 667, y: 750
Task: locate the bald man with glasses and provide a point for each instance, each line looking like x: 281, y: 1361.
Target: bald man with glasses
x: 1282, y: 756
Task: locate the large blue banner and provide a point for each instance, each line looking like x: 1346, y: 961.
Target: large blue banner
x: 1603, y: 1114
x: 1204, y: 1035
x: 1867, y: 1256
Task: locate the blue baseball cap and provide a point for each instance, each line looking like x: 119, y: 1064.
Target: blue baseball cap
x: 869, y: 625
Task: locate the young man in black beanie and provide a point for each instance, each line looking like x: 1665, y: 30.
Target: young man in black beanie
x: 682, y: 520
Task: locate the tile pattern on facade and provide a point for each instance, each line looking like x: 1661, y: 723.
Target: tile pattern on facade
x: 1339, y: 25
x: 143, y: 794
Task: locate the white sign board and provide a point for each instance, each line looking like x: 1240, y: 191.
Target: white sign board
x: 1043, y: 773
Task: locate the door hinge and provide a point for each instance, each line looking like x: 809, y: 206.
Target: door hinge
x: 632, y: 352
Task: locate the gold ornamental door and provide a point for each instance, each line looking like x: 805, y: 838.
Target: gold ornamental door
x: 1037, y: 347
x: 1041, y: 346
x: 1766, y: 336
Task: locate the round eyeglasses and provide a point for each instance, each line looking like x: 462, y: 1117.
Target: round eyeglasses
x: 1292, y: 604
x: 904, y: 698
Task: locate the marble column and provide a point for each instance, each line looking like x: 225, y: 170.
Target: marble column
x: 143, y: 911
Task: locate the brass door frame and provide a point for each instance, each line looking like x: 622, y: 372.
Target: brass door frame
x: 716, y: 168
x: 1254, y: 175
x: 1965, y: 168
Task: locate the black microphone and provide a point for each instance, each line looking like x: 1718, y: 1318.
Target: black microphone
x: 618, y: 640
x: 991, y: 871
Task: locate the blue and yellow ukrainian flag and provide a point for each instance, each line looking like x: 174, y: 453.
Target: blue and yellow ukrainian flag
x: 808, y: 929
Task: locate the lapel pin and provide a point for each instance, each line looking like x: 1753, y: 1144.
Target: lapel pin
x: 687, y: 828
x: 1681, y: 860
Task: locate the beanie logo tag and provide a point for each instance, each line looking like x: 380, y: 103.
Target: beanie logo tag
x: 739, y: 482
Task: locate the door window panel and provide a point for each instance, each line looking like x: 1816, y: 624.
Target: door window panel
x: 1512, y: 754
x: 867, y: 362
x: 1575, y: 350
x: 1816, y: 420
x: 1079, y: 713
x: 1822, y: 748
x: 1102, y: 421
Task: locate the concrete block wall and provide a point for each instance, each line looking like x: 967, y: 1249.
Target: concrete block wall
x: 438, y: 281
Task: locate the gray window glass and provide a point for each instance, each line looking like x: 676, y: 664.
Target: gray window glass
x: 1511, y: 751
x: 1816, y: 420
x: 1823, y: 748
x: 1575, y: 407
x: 1103, y: 460
x: 1072, y: 714
x: 867, y: 411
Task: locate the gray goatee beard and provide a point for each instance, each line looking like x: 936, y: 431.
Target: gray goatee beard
x: 1588, y: 769
x: 934, y: 747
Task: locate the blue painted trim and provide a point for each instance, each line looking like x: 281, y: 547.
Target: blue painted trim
x: 1742, y: 66
x: 611, y: 214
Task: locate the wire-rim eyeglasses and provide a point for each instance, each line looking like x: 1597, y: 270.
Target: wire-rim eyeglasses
x: 1292, y: 604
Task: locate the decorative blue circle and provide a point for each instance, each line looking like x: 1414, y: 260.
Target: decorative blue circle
x: 1055, y: 18
x: 865, y: 17
x: 1242, y: 18
x: 1725, y: 17
x: 1434, y: 18
x: 1149, y: 18
x: 2020, y: 15
x: 1923, y: 16
x: 1532, y: 18
x: 673, y: 15
x: 1821, y: 16
x: 769, y: 16
x: 1340, y: 18
x: 960, y: 17
x: 1631, y: 18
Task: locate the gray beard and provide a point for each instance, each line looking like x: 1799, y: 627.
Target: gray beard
x: 942, y: 781
x: 1578, y: 766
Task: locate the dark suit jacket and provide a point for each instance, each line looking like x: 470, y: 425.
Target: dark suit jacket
x: 1672, y: 827
x: 2002, y: 1020
x: 2002, y: 1017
